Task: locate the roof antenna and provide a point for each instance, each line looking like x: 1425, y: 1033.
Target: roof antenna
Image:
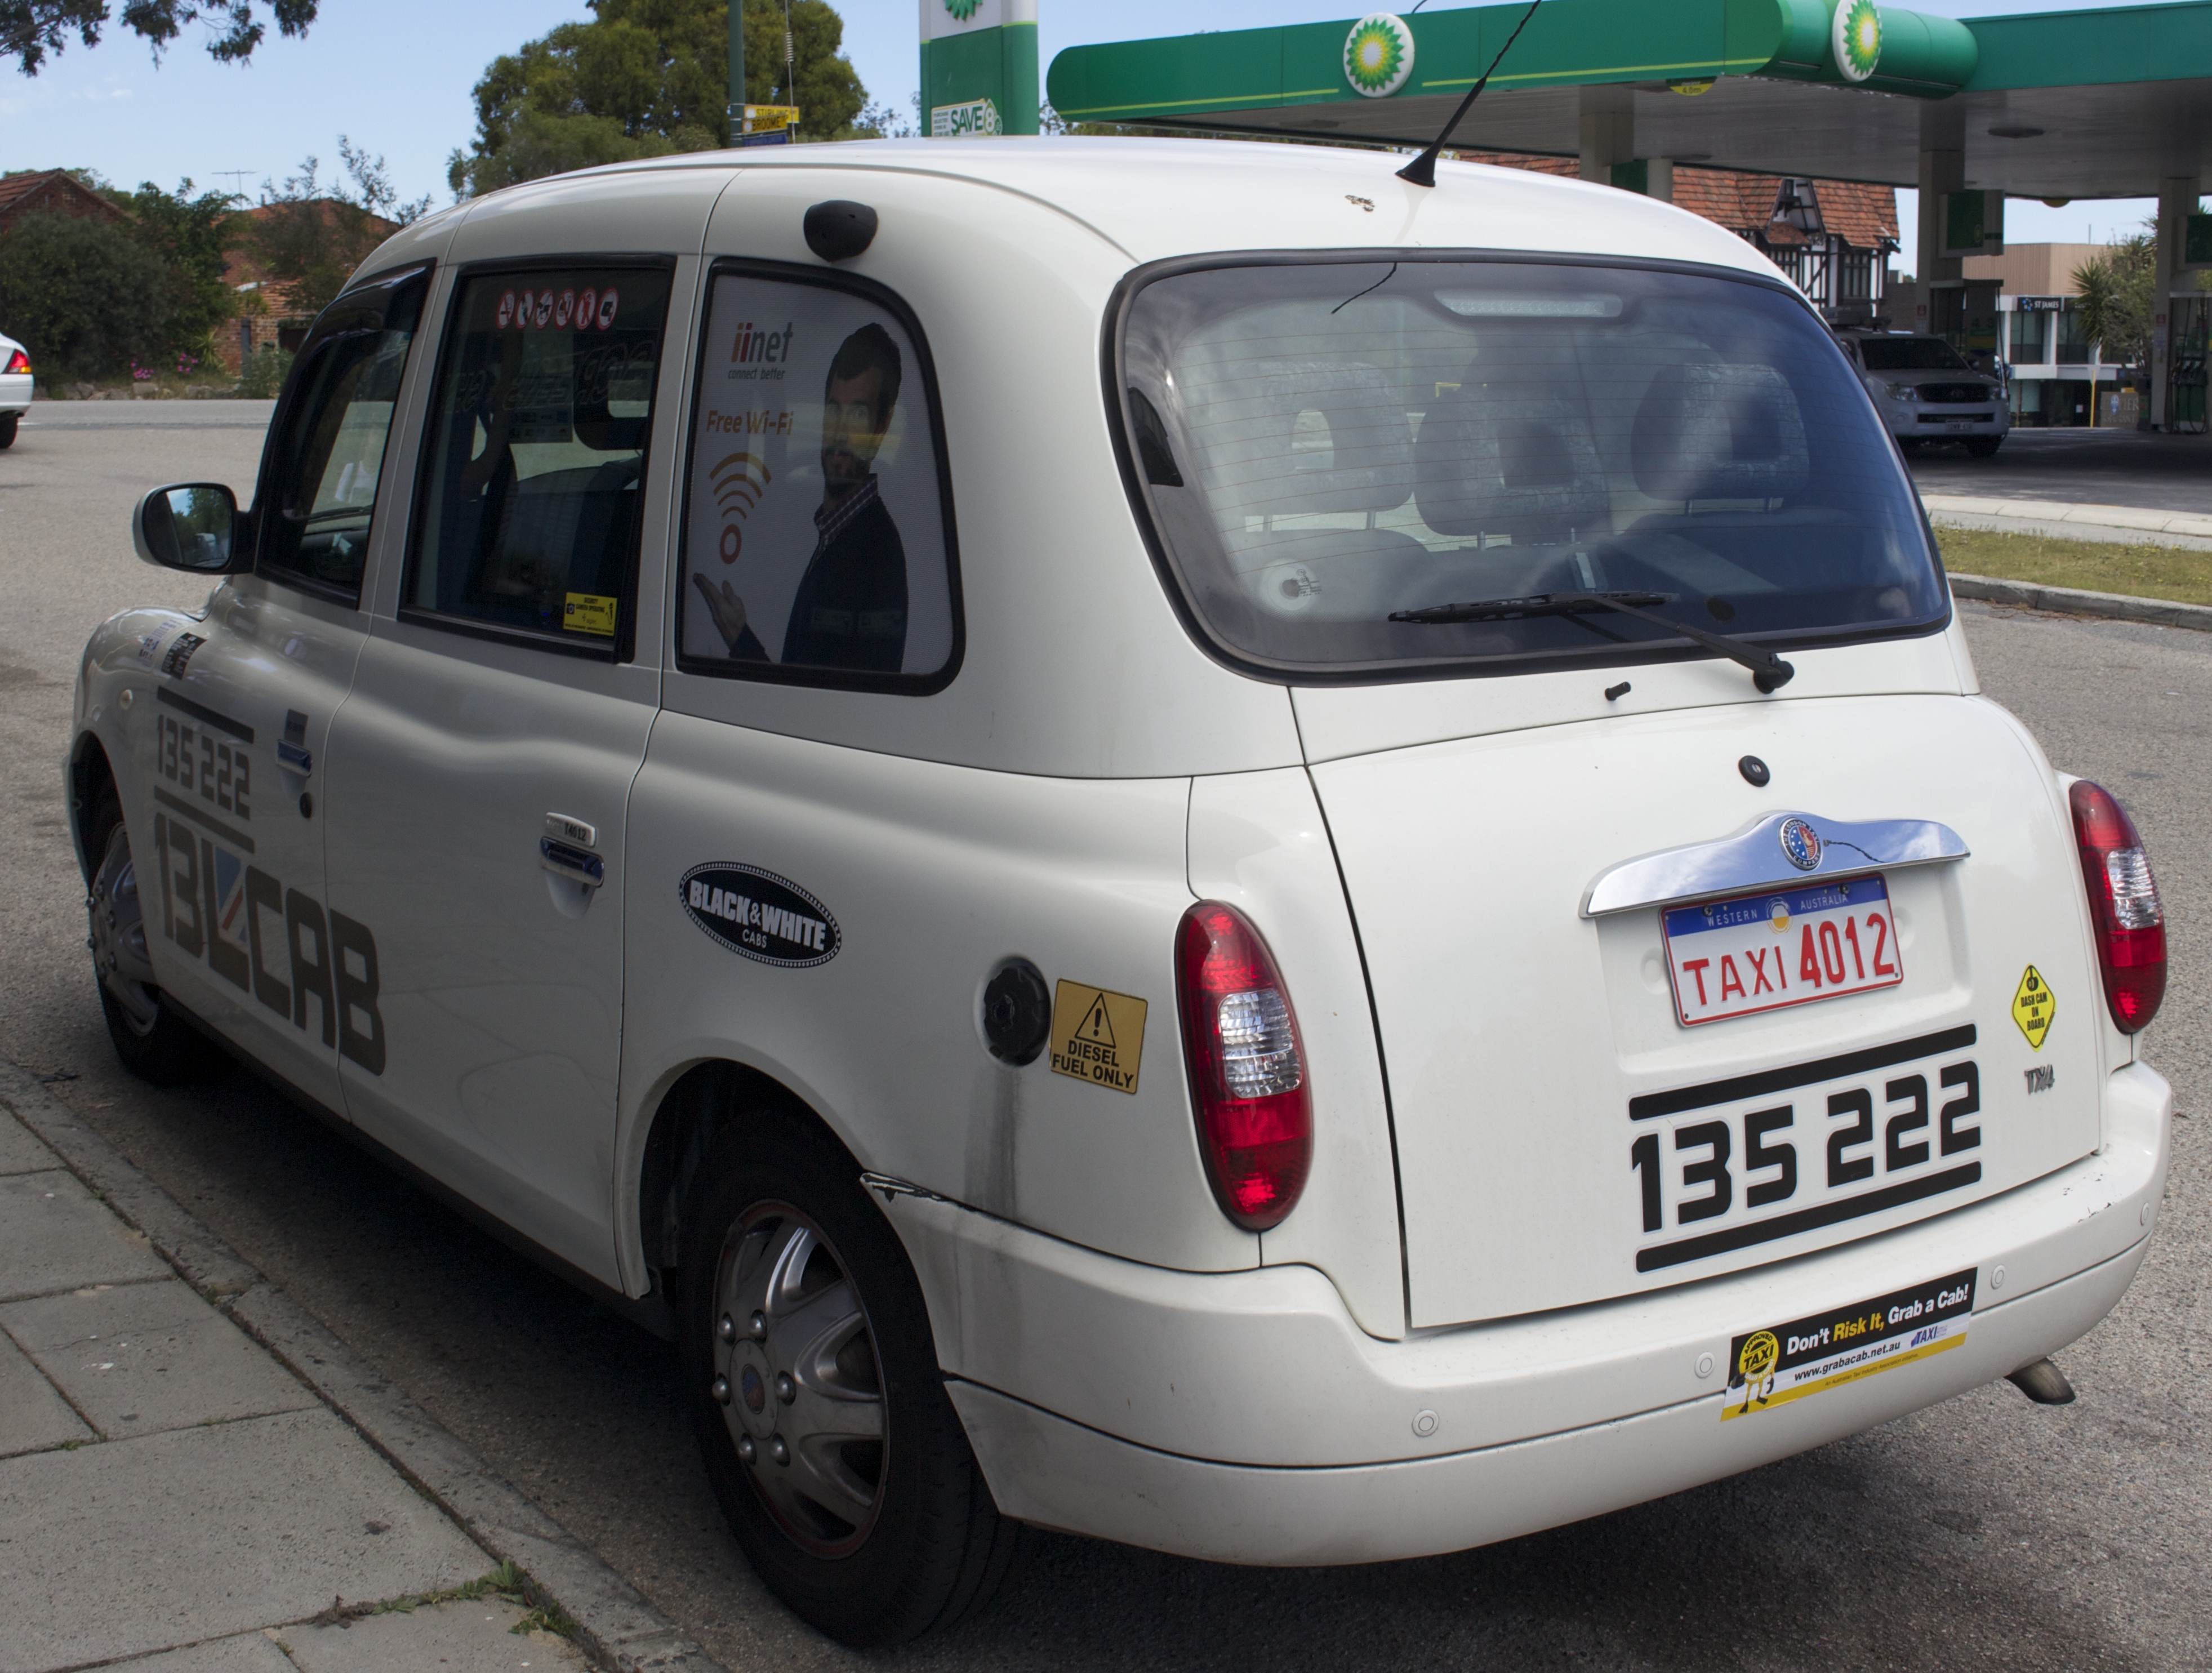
x: 1422, y: 170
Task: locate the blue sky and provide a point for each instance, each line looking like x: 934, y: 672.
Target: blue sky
x: 395, y: 76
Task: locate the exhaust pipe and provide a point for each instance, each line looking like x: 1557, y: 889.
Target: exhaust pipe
x: 2043, y: 1383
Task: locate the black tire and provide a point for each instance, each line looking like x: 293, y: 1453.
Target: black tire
x: 778, y: 1197
x: 8, y: 421
x: 1981, y: 447
x: 154, y: 1042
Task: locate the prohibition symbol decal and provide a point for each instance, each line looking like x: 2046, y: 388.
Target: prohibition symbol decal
x: 1856, y: 34
x: 1378, y: 54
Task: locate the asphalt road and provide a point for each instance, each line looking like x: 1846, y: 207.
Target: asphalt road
x: 2076, y: 466
x: 1984, y: 1534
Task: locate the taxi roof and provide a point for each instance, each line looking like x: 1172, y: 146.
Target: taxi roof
x: 1155, y: 199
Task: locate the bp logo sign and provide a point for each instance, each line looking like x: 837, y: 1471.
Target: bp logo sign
x: 962, y: 10
x: 1856, y: 34
x: 1378, y: 54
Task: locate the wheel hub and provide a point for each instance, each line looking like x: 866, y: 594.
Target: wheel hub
x: 117, y: 937
x: 794, y: 1369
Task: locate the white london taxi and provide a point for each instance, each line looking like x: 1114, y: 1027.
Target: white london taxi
x: 1173, y: 840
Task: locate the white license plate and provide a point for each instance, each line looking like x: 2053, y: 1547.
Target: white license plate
x: 1780, y: 1152
x: 1785, y: 946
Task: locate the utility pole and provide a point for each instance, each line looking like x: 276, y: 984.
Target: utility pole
x: 737, y: 72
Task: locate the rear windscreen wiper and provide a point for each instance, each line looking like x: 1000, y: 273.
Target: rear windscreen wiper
x: 1768, y: 671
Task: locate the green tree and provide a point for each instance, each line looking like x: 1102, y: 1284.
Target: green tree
x: 188, y: 235
x: 29, y: 29
x: 2117, y: 299
x: 646, y: 78
x: 310, y: 235
x: 85, y: 297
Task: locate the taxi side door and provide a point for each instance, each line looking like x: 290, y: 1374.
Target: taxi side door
x: 231, y: 750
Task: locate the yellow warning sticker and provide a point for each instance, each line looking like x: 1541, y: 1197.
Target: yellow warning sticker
x: 589, y: 612
x: 2032, y: 1006
x: 1097, y: 1036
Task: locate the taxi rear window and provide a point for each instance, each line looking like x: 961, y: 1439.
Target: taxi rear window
x: 1326, y: 450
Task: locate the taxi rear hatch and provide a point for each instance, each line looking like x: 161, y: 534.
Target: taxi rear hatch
x: 1643, y: 1023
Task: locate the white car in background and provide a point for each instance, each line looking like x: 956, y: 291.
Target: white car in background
x: 14, y: 387
x: 1150, y: 853
x: 1926, y: 391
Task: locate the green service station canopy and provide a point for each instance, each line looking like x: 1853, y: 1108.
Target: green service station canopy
x: 2109, y: 103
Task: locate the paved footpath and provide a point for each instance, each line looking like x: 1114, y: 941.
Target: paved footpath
x: 174, y: 1499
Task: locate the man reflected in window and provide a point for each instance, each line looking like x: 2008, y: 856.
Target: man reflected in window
x: 850, y: 610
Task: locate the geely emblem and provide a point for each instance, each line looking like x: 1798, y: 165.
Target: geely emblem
x: 1801, y: 844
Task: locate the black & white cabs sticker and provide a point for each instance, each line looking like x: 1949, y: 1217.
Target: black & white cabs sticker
x: 760, y: 914
x: 1097, y: 1036
x: 1772, y: 1366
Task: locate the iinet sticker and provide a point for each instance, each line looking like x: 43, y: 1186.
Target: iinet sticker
x: 1097, y: 1036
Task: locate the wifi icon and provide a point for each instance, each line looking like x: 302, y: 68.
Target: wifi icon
x: 738, y: 481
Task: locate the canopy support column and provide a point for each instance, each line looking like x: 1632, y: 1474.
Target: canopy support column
x: 1608, y: 130
x: 2177, y: 202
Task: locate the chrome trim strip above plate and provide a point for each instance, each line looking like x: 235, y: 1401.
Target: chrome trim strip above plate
x: 1755, y: 859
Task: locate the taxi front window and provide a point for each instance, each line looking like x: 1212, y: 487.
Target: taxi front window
x: 1327, y: 450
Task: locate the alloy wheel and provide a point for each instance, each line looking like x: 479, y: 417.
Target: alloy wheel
x: 118, y: 938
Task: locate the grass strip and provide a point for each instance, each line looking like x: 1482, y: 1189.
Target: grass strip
x: 2177, y: 574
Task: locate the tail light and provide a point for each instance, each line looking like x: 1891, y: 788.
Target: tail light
x: 19, y: 361
x: 2123, y: 903
x: 1247, y: 1074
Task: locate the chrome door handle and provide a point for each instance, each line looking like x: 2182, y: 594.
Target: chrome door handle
x: 577, y: 864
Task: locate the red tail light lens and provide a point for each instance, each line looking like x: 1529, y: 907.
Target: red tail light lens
x: 1247, y: 1074
x: 2123, y: 905
x: 19, y: 361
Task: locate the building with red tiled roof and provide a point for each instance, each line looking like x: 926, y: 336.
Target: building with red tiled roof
x: 1834, y: 238
x: 268, y: 317
x: 53, y: 192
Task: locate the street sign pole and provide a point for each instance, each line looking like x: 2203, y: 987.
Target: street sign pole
x: 979, y: 68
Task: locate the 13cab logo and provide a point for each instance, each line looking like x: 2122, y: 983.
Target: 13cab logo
x: 760, y: 914
x: 275, y: 943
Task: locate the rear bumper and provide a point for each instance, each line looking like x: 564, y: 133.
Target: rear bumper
x: 15, y: 391
x: 1241, y: 1417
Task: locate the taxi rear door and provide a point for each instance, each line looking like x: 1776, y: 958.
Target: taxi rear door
x: 481, y: 768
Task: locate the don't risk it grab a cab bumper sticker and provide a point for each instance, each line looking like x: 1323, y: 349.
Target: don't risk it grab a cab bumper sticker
x: 756, y: 913
x: 1785, y: 1362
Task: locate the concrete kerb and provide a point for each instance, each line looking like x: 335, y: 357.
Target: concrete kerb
x: 2105, y: 523
x: 2073, y: 602
x: 616, y: 1625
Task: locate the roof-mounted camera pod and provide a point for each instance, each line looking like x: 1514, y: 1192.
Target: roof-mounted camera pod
x: 839, y: 229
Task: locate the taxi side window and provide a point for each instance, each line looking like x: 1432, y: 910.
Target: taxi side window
x: 527, y: 521
x: 330, y: 447
x: 818, y: 528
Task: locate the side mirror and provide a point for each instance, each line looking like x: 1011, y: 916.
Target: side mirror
x: 193, y: 526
